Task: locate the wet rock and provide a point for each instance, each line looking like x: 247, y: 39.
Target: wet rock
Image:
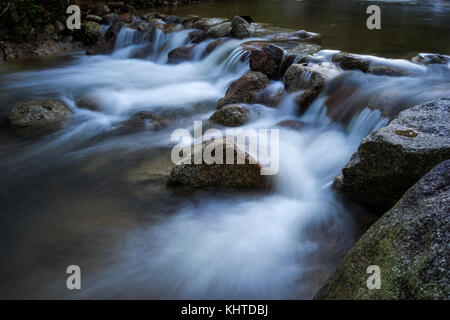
x: 188, y: 22
x: 91, y: 32
x: 393, y: 158
x: 302, y: 34
x: 245, y: 89
x: 59, y: 26
x: 219, y: 31
x: 206, y: 23
x: 409, y: 244
x: 240, y: 28
x: 39, y: 117
x: 106, y: 44
x: 303, y: 77
x: 267, y: 60
x: 172, y: 19
x: 213, y: 45
x: 349, y: 61
x: 232, y: 115
x: 304, y: 99
x: 102, y: 10
x: 389, y: 71
x: 429, y: 58
x: 292, y: 124
x: 143, y: 120
x: 88, y: 102
x: 92, y: 17
x: 197, y: 36
x: 271, y: 98
x: 301, y: 52
x: 181, y: 54
x: 170, y: 28
x: 234, y: 176
x: 111, y: 18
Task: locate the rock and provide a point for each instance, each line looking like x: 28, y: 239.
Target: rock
x: 389, y: 71
x: 349, y: 61
x: 197, y: 36
x: 180, y: 54
x: 102, y: 10
x: 36, y: 118
x: 219, y: 30
x: 246, y: 176
x: 409, y: 244
x: 106, y: 44
x: 232, y: 115
x: 301, y: 51
x: 302, y: 34
x: 292, y: 124
x: 143, y: 120
x: 429, y: 58
x: 91, y: 32
x: 303, y: 77
x: 111, y: 18
x: 172, y: 19
x: 213, y: 45
x: 305, y: 99
x: 267, y: 60
x: 59, y: 26
x: 206, y: 23
x: 49, y: 29
x: 169, y: 28
x: 88, y: 102
x: 245, y: 89
x: 240, y: 28
x: 91, y: 17
x: 271, y: 98
x: 393, y: 158
x: 188, y: 22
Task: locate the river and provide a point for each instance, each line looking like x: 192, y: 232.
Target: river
x: 87, y: 197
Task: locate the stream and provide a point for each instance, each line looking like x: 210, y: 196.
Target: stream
x: 99, y: 200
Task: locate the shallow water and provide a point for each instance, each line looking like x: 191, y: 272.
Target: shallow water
x: 88, y: 197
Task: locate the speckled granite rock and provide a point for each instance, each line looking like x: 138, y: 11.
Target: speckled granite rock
x: 393, y: 158
x: 410, y: 245
x: 232, y: 115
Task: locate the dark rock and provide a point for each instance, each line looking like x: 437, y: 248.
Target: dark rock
x: 213, y: 45
x: 91, y: 32
x: 219, y: 30
x: 389, y: 71
x: 245, y: 89
x: 88, y: 102
x: 393, y: 158
x: 241, y: 29
x: 292, y: 124
x: 305, y: 99
x: 197, y: 36
x: 409, y: 244
x: 267, y: 60
x: 232, y: 115
x: 299, y: 77
x: 36, y: 118
x: 106, y: 44
x: 424, y: 58
x: 181, y: 54
x: 143, y: 120
x: 349, y: 61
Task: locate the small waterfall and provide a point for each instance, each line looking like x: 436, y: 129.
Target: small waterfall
x: 126, y: 38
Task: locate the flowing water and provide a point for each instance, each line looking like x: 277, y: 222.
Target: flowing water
x: 93, y: 198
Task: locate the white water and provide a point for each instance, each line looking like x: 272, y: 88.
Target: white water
x: 280, y: 245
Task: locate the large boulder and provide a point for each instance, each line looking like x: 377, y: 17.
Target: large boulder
x: 304, y: 77
x: 39, y: 117
x: 393, y: 158
x: 219, y: 30
x: 232, y: 115
x: 234, y: 176
x: 241, y: 28
x: 409, y: 244
x: 267, y: 60
x: 348, y: 61
x: 245, y: 89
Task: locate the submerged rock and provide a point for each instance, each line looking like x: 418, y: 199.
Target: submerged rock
x: 240, y: 28
x: 88, y: 102
x: 292, y: 124
x: 389, y: 71
x: 409, y: 244
x: 393, y: 158
x: 180, y: 54
x: 143, y: 120
x: 431, y: 58
x: 234, y: 176
x: 39, y: 117
x: 245, y: 89
x: 267, y: 60
x: 232, y: 115
x: 348, y: 61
